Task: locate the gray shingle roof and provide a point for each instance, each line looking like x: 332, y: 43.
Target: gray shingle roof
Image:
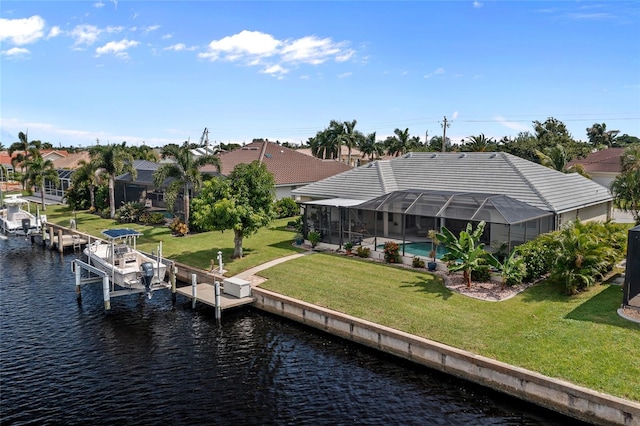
x: 494, y: 173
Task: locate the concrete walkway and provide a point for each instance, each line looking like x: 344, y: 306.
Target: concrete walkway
x: 249, y: 272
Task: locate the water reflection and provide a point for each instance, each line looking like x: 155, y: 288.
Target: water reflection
x: 147, y: 362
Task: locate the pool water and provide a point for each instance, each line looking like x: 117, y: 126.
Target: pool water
x: 422, y: 249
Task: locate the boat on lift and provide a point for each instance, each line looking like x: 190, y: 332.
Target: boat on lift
x: 15, y: 220
x: 126, y: 266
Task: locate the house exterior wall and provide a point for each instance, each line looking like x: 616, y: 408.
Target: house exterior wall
x: 284, y: 191
x: 599, y: 212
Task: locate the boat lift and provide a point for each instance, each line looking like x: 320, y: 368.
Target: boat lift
x: 108, y: 291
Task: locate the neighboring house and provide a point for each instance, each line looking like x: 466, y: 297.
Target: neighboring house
x: 142, y: 188
x: 356, y: 156
x: 404, y: 197
x: 5, y: 161
x: 291, y: 169
x: 603, y: 166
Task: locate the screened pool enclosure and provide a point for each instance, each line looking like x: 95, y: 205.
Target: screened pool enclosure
x: 409, y: 215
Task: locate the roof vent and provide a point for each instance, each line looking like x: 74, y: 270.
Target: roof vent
x: 370, y: 165
x: 493, y: 155
x: 434, y: 155
x: 268, y: 155
x: 462, y: 155
x: 408, y: 155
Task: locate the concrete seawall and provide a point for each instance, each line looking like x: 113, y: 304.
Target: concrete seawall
x: 558, y: 395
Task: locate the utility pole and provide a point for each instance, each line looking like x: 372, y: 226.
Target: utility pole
x: 444, y: 134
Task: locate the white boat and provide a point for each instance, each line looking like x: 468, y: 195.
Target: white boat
x: 126, y: 266
x: 17, y: 221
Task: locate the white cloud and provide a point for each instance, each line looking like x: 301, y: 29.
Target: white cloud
x: 437, y: 71
x: 150, y: 29
x: 253, y: 48
x: 512, y: 124
x: 54, y: 32
x: 242, y: 45
x: 345, y: 74
x: 455, y: 115
x: 276, y: 71
x: 15, y: 52
x: 85, y: 34
x: 178, y: 47
x: 118, y: 48
x: 98, y: 5
x: 22, y: 31
x: 477, y: 4
x: 167, y: 36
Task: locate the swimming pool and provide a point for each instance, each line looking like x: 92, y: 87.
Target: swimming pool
x: 422, y: 249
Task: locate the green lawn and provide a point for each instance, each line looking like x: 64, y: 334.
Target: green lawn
x: 577, y: 338
x: 197, y: 249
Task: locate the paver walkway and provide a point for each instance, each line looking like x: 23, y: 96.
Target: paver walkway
x: 245, y: 275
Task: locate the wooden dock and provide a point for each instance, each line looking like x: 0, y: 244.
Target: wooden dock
x: 205, y: 293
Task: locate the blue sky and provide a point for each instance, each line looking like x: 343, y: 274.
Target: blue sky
x: 159, y: 72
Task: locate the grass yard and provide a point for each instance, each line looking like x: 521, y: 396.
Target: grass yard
x: 197, y: 249
x: 577, y: 338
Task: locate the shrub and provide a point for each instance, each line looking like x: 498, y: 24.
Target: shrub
x: 148, y: 218
x: 481, y: 273
x: 539, y: 256
x: 299, y: 239
x: 348, y: 246
x: 314, y: 238
x: 130, y: 212
x: 363, y: 251
x: 513, y: 270
x: 391, y: 252
x: 178, y: 227
x: 417, y: 262
x: 287, y: 207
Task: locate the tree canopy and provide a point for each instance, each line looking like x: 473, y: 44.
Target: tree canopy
x: 243, y: 202
x: 626, y: 186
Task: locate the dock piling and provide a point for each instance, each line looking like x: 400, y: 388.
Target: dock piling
x: 194, y: 290
x: 217, y: 300
x: 173, y: 270
x: 60, y: 245
x: 78, y: 273
x: 105, y: 292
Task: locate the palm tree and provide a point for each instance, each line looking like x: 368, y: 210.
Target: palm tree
x: 322, y: 146
x: 479, y: 143
x: 368, y: 145
x: 556, y: 158
x: 112, y: 160
x: 336, y: 135
x: 40, y: 170
x: 87, y: 171
x: 599, y: 135
x: 401, y: 143
x: 351, y: 137
x: 626, y: 186
x: 186, y: 172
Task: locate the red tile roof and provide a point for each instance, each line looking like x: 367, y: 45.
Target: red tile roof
x: 287, y: 165
x: 70, y: 161
x: 604, y: 161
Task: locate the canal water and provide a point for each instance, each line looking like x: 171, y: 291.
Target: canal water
x: 147, y: 362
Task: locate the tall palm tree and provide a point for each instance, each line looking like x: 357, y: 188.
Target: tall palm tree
x: 112, y: 160
x: 336, y: 136
x: 40, y: 170
x: 87, y: 171
x: 626, y: 186
x: 401, y: 143
x: 368, y: 145
x: 20, y: 158
x: 185, y: 170
x: 351, y: 137
x: 630, y: 159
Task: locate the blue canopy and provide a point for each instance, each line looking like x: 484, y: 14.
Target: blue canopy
x: 121, y: 233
